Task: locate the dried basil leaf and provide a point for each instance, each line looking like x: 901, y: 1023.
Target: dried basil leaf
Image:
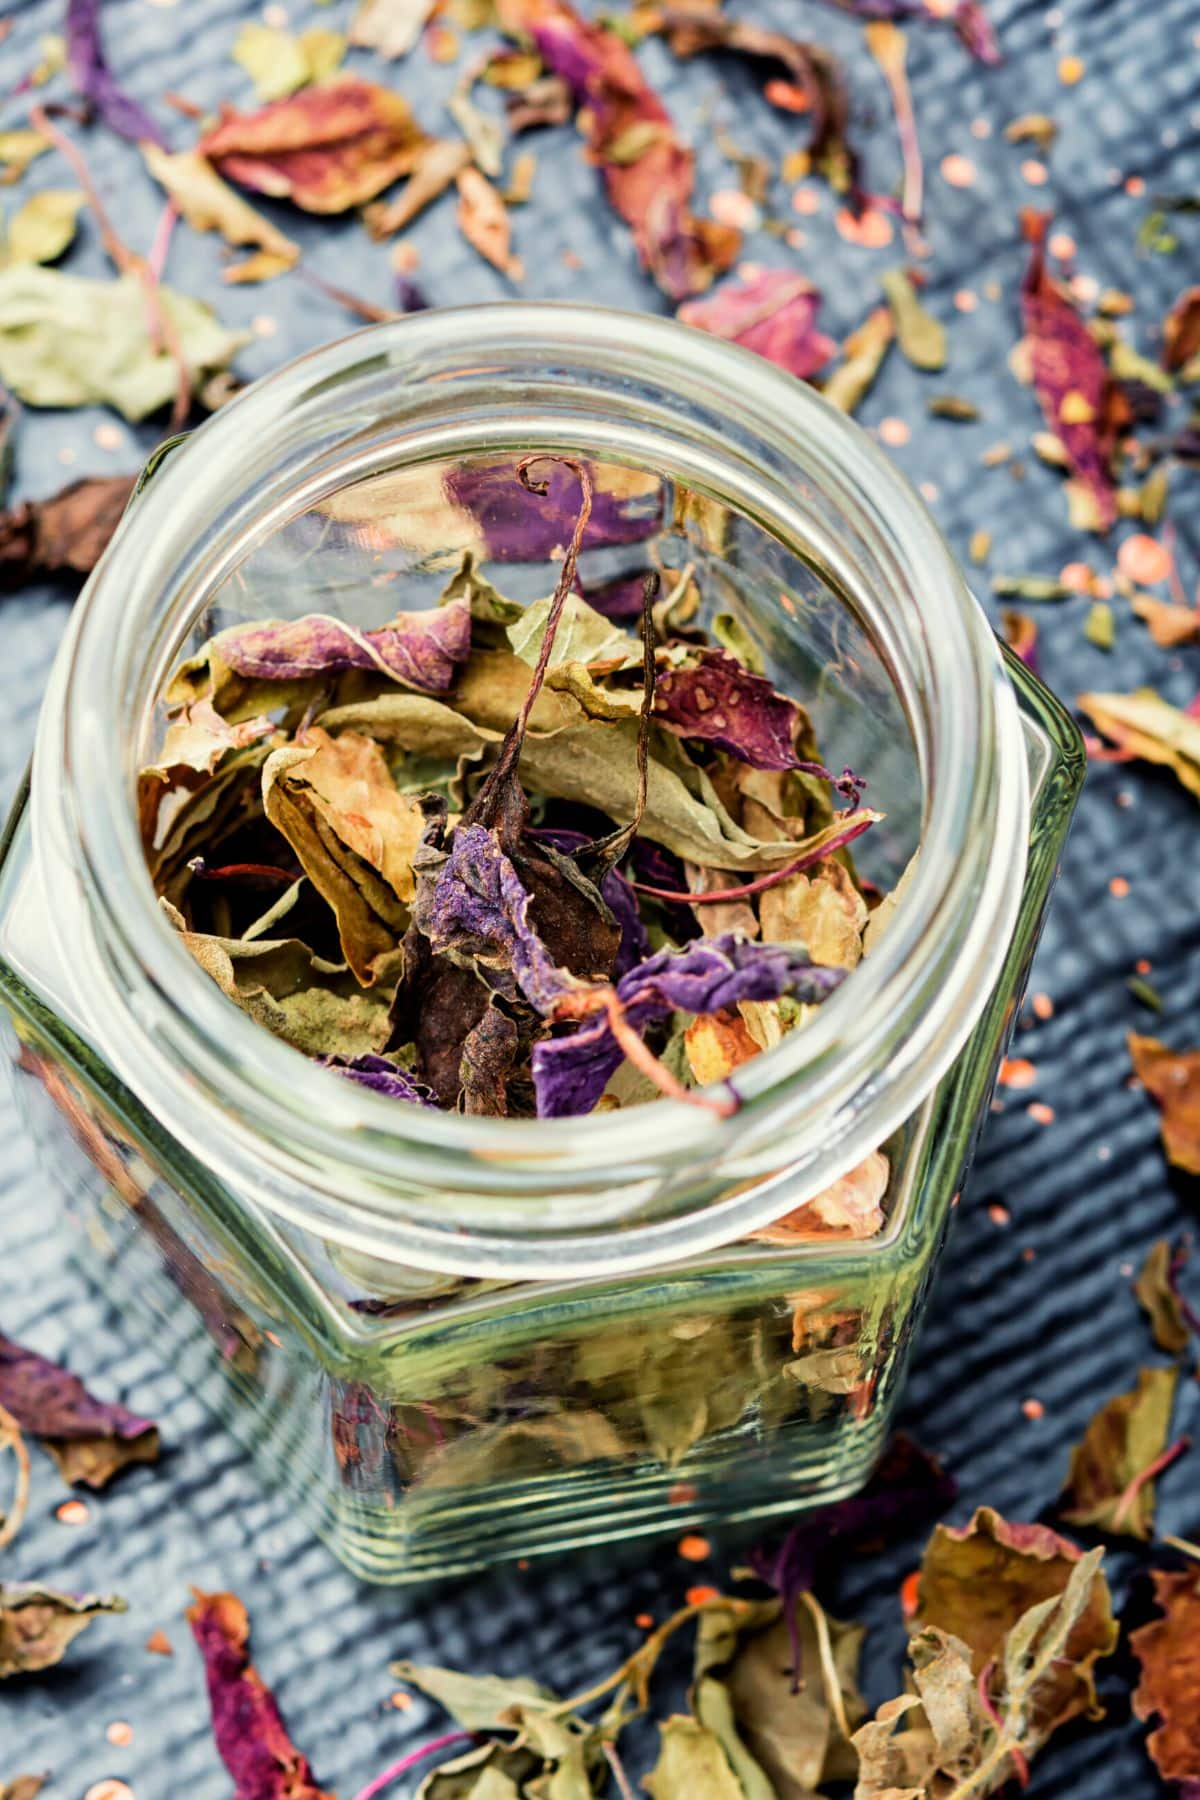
x: 1110, y: 1483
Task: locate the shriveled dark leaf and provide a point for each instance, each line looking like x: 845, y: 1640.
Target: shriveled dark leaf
x: 90, y: 1439
x: 68, y: 533
x: 1159, y: 1297
x: 649, y: 174
x: 1168, y: 1694
x: 1110, y: 1482
x: 773, y: 313
x: 1172, y: 1078
x: 326, y: 149
x: 38, y: 1624
x: 247, y: 1726
x: 92, y: 78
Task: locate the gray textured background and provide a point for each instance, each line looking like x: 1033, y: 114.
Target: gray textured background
x: 1038, y: 1308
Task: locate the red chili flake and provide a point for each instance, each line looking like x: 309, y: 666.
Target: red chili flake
x: 788, y: 96
x: 1043, y: 1006
x: 909, y: 1590
x: 119, y: 1733
x: 1118, y: 887
x: 644, y: 1621
x: 999, y: 1213
x: 159, y: 1644
x: 1017, y: 1072
x: 1144, y: 560
x: 694, y: 1548
x: 696, y: 1596
x: 1143, y: 965
x: 1040, y: 1113
x: 1029, y: 1254
x: 1033, y: 1409
x: 1135, y: 185
x: 72, y: 1512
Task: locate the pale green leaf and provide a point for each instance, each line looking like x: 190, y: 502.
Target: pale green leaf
x: 691, y: 1765
x: 583, y: 635
x: 43, y: 227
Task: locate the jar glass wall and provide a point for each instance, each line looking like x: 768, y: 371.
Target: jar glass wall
x: 462, y: 1338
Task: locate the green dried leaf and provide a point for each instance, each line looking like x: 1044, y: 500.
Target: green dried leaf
x: 478, y: 1702
x: 278, y: 63
x: 862, y: 358
x: 393, y: 26
x: 1160, y: 1302
x: 17, y: 150
x: 713, y: 1709
x: 926, y: 1743
x: 483, y: 133
x: 921, y: 337
x: 583, y: 636
x: 691, y: 1762
x: 43, y: 227
x: 1109, y: 1485
x: 208, y: 203
x: 733, y: 636
x: 69, y: 341
x: 1146, y: 992
x: 1099, y: 627
x: 952, y: 406
x: 1128, y: 364
x: 1029, y: 587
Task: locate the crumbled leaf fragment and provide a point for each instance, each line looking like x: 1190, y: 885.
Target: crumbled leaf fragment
x: 247, y: 1726
x: 90, y: 1439
x: 1168, y: 1693
x: 1159, y: 1299
x: 1181, y: 330
x: 326, y: 149
x: 1099, y: 627
x: 390, y: 26
x: 484, y: 221
x: 1144, y: 725
x: 38, y: 1624
x: 1107, y: 1486
x: 862, y: 358
x: 774, y: 313
x: 1172, y: 1078
x: 921, y: 337
x: 43, y: 227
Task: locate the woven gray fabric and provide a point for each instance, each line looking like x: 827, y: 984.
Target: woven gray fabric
x: 1038, y: 1308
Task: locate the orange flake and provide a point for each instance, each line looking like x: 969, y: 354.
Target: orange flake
x: 272, y: 1339
x: 1035, y: 172
x: 958, y: 170
x: 1043, y: 1006
x: 930, y: 492
x: 1085, y: 288
x: 872, y: 229
x: 72, y: 1512
x: 1135, y: 185
x: 788, y: 96
x: 571, y: 259
x: 908, y: 1594
x: 1033, y: 1409
x: 119, y: 1733
x: 981, y: 128
x: 159, y: 1644
x: 1076, y: 577
x: 965, y: 300
x: 1118, y: 887
x: 108, y: 437
x: 1143, y: 965
x: 1062, y: 245
x: 400, y: 1702
x: 998, y: 1213
x: 694, y: 1548
x: 1017, y: 1072
x: 1040, y: 1113
x: 1070, y: 70
x: 441, y: 43
x: 109, y: 1790
x: 894, y: 432
x: 1144, y: 560
x: 683, y: 1493
x: 696, y: 1596
x: 806, y: 201
x: 1075, y: 408
x: 644, y: 1621
x: 795, y: 239
x: 405, y: 258
x: 1029, y: 1254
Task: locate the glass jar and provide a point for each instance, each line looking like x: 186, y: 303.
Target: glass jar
x: 459, y: 1339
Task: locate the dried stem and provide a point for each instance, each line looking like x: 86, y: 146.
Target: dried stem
x: 11, y: 1439
x: 618, y: 1771
x: 606, y: 852
x: 854, y: 828
x: 833, y: 1686
x: 644, y: 1060
x: 889, y: 47
x: 636, y: 1669
x: 1170, y: 1455
x: 410, y: 1762
x: 365, y: 309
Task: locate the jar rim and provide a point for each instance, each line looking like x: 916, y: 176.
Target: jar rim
x: 329, y: 1154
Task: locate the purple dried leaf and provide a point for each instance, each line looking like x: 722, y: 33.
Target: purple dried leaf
x: 774, y: 314
x: 92, y: 78
x: 720, y: 701
x: 421, y: 650
x: 1070, y: 375
x: 977, y: 33
x: 381, y: 1076
x: 249, y: 1731
x: 90, y: 1439
x: 518, y: 524
x: 570, y: 1073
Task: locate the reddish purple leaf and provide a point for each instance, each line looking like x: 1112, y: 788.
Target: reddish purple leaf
x: 381, y: 1076
x: 1070, y: 375
x: 420, y: 649
x: 719, y: 700
x: 519, y: 526
x: 774, y: 313
x: 249, y: 1731
x: 570, y: 1073
x: 90, y: 1439
x: 92, y: 78
x: 649, y: 174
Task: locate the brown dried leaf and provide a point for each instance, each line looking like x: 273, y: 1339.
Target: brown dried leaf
x: 850, y: 1207
x: 1160, y: 1302
x: 1147, y: 726
x: 1109, y: 1485
x: 209, y: 204
x: 1172, y: 1077
x: 439, y: 164
x: 68, y: 533
x: 484, y: 221
x: 1168, y: 1650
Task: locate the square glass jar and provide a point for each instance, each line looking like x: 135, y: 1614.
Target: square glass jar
x: 457, y: 1340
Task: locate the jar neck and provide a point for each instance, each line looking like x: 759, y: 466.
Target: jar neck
x: 607, y: 1191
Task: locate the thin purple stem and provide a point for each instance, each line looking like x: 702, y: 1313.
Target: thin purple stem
x: 410, y: 1762
x: 749, y: 888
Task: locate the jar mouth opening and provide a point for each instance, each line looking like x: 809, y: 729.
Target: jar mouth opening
x: 933, y: 968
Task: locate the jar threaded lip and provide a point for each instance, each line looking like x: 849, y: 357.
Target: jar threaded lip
x: 335, y: 1156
